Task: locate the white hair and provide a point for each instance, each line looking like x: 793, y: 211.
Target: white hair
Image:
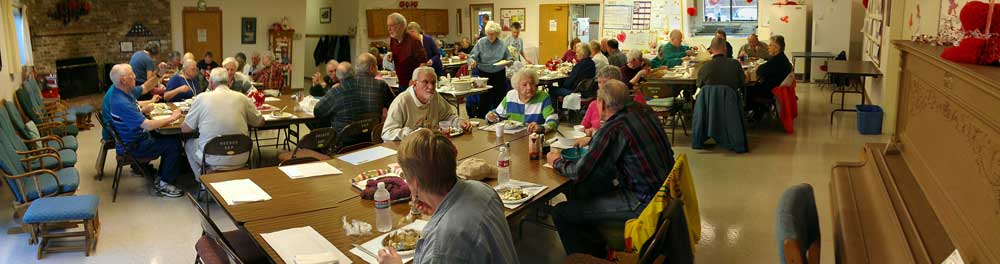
x: 189, y: 63
x: 424, y: 70
x: 634, y: 55
x: 118, y: 71
x: 609, y: 72
x: 364, y: 62
x: 398, y: 18
x: 218, y: 76
x: 516, y: 79
x: 229, y: 60
x: 492, y: 27
x: 331, y: 62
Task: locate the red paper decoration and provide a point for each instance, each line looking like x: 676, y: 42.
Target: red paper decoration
x: 749, y: 1
x: 621, y: 36
x: 414, y: 4
x: 784, y: 19
x: 692, y: 11
x: 864, y: 3
x: 973, y: 16
x: 713, y: 2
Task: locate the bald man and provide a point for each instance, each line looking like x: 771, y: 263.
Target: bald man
x: 672, y: 53
x: 629, y: 158
x: 133, y: 128
x: 722, y: 69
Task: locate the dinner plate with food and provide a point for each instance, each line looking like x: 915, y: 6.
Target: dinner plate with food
x: 513, y: 195
x: 403, y: 240
x: 281, y: 115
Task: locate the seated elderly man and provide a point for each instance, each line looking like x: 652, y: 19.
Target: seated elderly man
x: 419, y: 107
x: 467, y: 222
x: 270, y: 75
x: 133, y: 128
x: 321, y: 84
x: 592, y: 119
x: 526, y: 104
x: 183, y: 85
x: 755, y: 49
x: 629, y: 159
x: 359, y: 96
x: 220, y: 111
x: 672, y: 53
x: 722, y: 69
x: 634, y: 71
x: 237, y: 80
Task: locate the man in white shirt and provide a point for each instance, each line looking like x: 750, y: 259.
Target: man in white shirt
x: 220, y: 111
x: 599, y: 59
x: 237, y: 80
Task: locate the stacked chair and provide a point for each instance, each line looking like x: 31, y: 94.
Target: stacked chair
x: 54, y: 158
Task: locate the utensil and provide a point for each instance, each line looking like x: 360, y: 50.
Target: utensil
x: 365, y: 250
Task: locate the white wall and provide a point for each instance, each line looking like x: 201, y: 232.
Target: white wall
x: 266, y: 12
x: 345, y: 16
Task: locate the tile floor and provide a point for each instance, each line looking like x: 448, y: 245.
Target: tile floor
x: 737, y: 194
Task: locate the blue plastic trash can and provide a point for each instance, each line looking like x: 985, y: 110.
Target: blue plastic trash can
x: 869, y: 119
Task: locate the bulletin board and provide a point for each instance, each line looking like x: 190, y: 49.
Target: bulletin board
x: 640, y: 24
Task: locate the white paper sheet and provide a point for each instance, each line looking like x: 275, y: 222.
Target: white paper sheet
x: 240, y: 191
x: 531, y: 191
x: 364, y: 156
x: 375, y: 245
x: 310, y: 170
x: 301, y: 241
x: 272, y: 99
x: 492, y: 128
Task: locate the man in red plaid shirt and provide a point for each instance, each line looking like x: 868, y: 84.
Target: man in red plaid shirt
x: 270, y: 75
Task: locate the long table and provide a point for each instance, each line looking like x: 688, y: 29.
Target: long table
x: 284, y: 101
x: 328, y: 221
x: 294, y: 196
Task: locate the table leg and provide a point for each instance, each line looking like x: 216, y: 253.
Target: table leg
x: 808, y: 70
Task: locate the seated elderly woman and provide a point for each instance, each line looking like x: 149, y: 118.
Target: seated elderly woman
x: 467, y: 222
x: 526, y: 104
x: 583, y: 70
x: 184, y: 84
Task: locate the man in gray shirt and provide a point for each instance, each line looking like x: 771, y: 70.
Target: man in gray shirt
x: 220, y: 111
x: 467, y: 222
x: 721, y: 70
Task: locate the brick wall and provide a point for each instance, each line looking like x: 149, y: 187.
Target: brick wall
x: 96, y: 34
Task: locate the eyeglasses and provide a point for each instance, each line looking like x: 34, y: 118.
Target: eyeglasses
x: 427, y: 82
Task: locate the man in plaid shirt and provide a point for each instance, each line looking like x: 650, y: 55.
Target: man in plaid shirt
x: 271, y: 74
x: 628, y: 160
x: 359, y: 96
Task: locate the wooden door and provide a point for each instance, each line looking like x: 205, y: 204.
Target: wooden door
x: 552, y: 44
x: 203, y: 32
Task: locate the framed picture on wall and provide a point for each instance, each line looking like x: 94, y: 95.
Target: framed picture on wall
x: 248, y: 30
x: 126, y: 46
x: 510, y: 15
x: 325, y: 15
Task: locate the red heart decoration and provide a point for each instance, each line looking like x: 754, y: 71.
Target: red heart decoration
x: 864, y: 3
x: 413, y: 4
x: 692, y: 11
x: 784, y: 19
x: 402, y: 4
x: 714, y: 2
x: 749, y: 1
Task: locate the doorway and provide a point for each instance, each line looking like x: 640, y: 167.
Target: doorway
x: 553, y: 28
x: 203, y: 31
x: 478, y: 15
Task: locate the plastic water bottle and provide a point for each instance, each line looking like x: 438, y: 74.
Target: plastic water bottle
x: 503, y: 165
x: 383, y: 217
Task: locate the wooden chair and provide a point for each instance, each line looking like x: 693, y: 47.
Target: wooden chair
x: 27, y: 184
x: 50, y: 214
x: 29, y: 100
x: 317, y: 144
x: 668, y: 245
x: 61, y: 158
x: 21, y: 129
x: 665, y: 103
x: 215, y: 246
x: 361, y: 128
x: 224, y: 146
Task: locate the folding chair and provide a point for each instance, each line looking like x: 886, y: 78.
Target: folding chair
x: 358, y: 129
x: 215, y: 246
x: 665, y: 103
x: 123, y: 159
x: 317, y: 144
x: 224, y: 146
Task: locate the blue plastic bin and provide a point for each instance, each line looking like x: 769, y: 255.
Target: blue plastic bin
x: 869, y: 119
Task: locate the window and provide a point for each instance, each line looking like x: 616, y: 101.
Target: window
x: 730, y: 10
x: 736, y: 17
x: 23, y: 36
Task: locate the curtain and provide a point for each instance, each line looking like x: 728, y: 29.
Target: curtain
x: 9, y: 44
